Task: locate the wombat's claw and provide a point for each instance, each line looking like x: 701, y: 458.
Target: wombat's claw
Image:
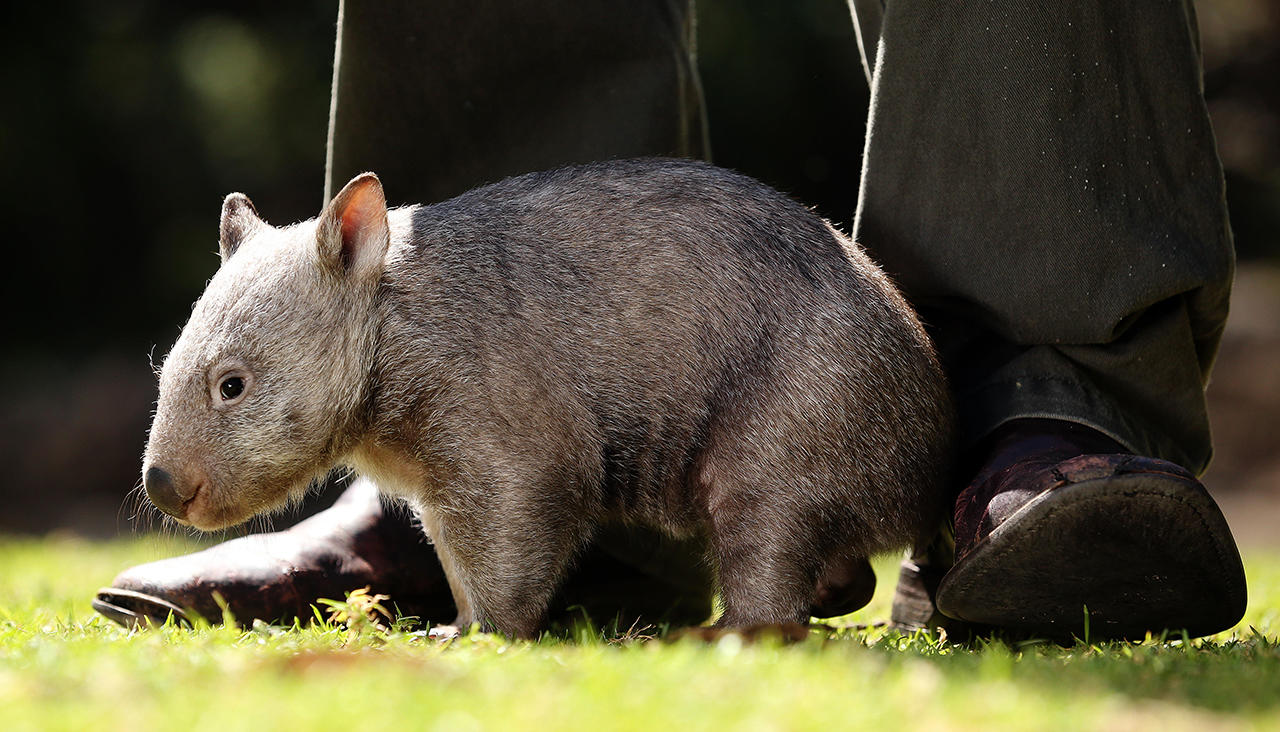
x: 784, y: 632
x: 444, y: 633
x: 137, y: 610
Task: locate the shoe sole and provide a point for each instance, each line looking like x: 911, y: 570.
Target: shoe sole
x: 1143, y: 552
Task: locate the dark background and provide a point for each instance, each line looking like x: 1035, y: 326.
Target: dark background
x: 126, y: 121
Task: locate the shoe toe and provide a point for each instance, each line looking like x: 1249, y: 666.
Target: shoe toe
x: 136, y: 609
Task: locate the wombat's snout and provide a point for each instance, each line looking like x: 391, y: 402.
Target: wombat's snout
x: 168, y: 494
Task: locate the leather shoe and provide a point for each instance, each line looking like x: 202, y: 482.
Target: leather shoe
x: 1064, y: 534
x: 279, y: 576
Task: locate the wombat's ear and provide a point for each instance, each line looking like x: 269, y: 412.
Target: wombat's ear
x: 353, y: 234
x: 239, y: 219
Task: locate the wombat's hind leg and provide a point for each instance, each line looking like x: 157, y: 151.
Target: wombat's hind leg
x: 767, y: 568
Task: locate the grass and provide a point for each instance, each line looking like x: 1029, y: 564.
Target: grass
x: 63, y: 667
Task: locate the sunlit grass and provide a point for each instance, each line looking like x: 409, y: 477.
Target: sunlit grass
x: 63, y: 667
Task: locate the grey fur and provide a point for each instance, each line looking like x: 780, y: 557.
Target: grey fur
x: 659, y: 342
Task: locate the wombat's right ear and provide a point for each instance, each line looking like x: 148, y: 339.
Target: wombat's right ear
x: 239, y: 219
x: 352, y: 234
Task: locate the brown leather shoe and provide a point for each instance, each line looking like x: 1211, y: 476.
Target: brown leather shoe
x: 1062, y: 519
x: 279, y: 576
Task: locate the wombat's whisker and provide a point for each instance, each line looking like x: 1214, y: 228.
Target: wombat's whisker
x: 151, y: 361
x: 131, y: 504
x: 262, y: 524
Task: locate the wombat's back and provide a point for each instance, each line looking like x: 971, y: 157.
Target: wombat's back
x: 666, y: 342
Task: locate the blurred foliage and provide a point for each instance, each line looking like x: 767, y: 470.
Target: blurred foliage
x: 1240, y: 40
x: 127, y: 121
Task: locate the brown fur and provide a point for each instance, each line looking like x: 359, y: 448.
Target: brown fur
x: 657, y: 342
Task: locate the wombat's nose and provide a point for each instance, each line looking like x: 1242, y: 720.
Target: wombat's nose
x: 163, y: 491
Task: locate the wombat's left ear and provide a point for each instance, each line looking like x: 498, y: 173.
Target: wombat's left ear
x: 353, y: 234
x: 239, y: 219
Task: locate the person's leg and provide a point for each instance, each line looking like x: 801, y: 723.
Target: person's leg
x: 1043, y: 183
x: 438, y: 98
x: 441, y: 97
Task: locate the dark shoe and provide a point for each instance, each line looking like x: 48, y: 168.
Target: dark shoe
x: 1061, y: 519
x: 279, y: 576
x: 915, y: 599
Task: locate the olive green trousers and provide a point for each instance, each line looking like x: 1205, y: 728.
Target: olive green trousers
x: 1041, y: 179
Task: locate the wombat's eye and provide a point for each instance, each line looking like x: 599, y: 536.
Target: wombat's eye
x: 233, y: 381
x: 231, y: 387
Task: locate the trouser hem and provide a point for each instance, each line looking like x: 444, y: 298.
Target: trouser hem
x: 1025, y: 396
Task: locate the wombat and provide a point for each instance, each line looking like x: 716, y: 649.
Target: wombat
x: 656, y: 342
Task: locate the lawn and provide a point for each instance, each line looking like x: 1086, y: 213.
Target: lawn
x: 63, y: 667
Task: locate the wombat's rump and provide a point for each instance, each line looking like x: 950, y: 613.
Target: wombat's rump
x: 658, y: 342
